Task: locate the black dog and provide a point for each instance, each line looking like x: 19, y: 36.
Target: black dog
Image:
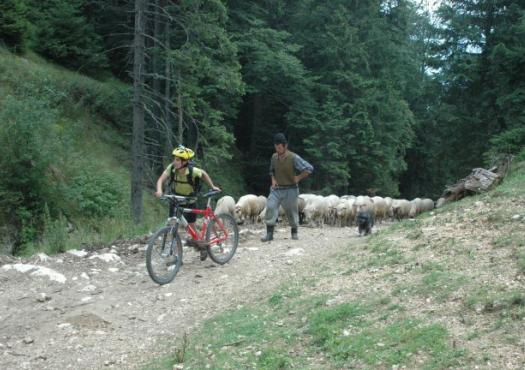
x: 365, y: 220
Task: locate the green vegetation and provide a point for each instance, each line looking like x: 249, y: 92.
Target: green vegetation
x: 63, y: 162
x: 385, y: 254
x: 316, y: 336
x: 440, y: 284
x: 378, y: 96
x: 415, y: 310
x: 492, y: 300
x: 374, y: 94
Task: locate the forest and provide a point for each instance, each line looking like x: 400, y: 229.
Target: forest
x: 383, y: 97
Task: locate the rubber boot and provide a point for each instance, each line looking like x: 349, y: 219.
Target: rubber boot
x: 269, y: 234
x: 294, y: 233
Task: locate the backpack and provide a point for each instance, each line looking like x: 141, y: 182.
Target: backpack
x: 196, y: 183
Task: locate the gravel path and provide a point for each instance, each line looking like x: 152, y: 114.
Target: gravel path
x: 101, y: 310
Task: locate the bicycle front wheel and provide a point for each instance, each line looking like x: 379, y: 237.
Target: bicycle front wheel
x: 164, y: 255
x: 223, y: 238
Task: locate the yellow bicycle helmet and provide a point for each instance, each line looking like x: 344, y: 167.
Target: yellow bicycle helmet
x: 182, y: 152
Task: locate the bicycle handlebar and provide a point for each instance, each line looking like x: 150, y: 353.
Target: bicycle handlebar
x: 211, y: 193
x: 187, y: 199
x: 178, y: 198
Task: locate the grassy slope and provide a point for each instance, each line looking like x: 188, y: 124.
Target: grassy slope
x: 96, y: 118
x: 445, y: 290
x: 98, y: 145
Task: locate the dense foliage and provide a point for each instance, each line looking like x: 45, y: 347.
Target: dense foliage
x: 477, y: 97
x: 379, y: 95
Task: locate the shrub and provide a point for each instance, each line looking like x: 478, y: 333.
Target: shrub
x: 65, y: 36
x: 508, y: 142
x: 28, y: 145
x: 95, y: 193
x: 54, y: 236
x: 13, y: 23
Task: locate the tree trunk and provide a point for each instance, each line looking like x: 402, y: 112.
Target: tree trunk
x: 480, y: 180
x: 137, y: 146
x: 167, y: 95
x: 180, y: 133
x: 158, y: 134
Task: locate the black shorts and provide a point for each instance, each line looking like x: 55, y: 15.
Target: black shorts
x: 190, y: 217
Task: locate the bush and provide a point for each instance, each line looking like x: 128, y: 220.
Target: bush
x: 54, y: 237
x: 65, y: 36
x: 520, y: 157
x: 13, y: 23
x: 28, y: 145
x: 508, y: 142
x: 95, y: 193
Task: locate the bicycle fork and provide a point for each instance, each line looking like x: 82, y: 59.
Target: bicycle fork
x: 167, y: 248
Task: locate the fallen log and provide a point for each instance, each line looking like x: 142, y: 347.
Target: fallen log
x: 479, y: 181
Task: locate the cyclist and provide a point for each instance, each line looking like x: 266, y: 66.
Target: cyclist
x: 287, y: 169
x: 184, y: 179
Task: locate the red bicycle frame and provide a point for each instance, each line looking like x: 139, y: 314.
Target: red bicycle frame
x: 208, y: 215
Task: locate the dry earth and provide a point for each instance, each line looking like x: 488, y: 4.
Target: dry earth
x: 101, y: 310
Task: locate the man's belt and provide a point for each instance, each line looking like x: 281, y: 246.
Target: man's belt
x: 286, y: 186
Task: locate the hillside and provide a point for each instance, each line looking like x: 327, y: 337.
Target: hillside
x: 445, y: 290
x: 65, y: 160
x: 64, y: 157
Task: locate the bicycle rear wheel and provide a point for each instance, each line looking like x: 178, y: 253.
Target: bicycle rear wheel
x: 164, y: 255
x: 223, y: 237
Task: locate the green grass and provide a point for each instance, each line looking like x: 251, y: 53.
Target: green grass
x: 441, y: 284
x: 242, y: 337
x: 431, y: 266
x: 512, y: 185
x: 394, y: 344
x: 388, y: 258
x: 390, y: 323
x: 520, y: 260
x: 514, y: 240
x: 92, y: 132
x: 488, y: 300
x: 437, y: 284
x: 289, y: 331
x: 383, y: 253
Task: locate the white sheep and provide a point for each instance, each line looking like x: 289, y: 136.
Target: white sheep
x: 389, y: 202
x: 363, y: 200
x: 247, y: 208
x: 345, y: 212
x: 380, y: 208
x: 262, y: 214
x: 415, y: 207
x: 401, y: 208
x: 225, y: 204
x: 427, y: 204
x: 316, y: 210
x: 440, y: 202
x: 301, y: 203
x: 333, y: 201
x: 307, y: 197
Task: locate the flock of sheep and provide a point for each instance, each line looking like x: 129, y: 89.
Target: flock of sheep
x: 330, y: 210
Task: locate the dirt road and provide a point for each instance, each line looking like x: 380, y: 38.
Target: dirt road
x: 100, y: 309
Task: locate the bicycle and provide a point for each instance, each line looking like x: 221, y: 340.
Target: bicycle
x: 219, y: 236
